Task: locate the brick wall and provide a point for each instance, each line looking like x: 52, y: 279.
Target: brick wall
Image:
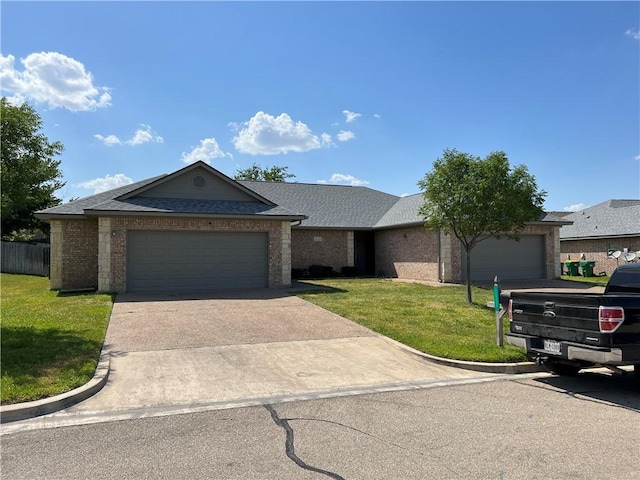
x: 321, y: 247
x: 79, y: 254
x: 597, y: 250
x: 410, y: 253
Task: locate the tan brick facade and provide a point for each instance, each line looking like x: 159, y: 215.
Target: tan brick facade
x: 74, y: 254
x: 410, y: 253
x: 321, y: 247
x: 597, y: 249
x: 92, y: 253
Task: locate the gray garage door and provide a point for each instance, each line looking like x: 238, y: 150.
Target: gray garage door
x: 508, y: 259
x: 189, y: 261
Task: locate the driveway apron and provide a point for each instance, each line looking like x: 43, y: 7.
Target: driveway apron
x: 191, y: 349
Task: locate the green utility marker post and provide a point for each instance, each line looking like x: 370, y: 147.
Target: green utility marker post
x: 496, y: 306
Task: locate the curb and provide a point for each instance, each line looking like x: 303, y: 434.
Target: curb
x: 509, y: 368
x: 23, y: 411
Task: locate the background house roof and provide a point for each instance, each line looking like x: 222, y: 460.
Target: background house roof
x: 328, y: 206
x: 607, y: 219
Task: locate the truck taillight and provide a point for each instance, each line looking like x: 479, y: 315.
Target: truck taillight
x: 610, y: 319
x: 510, y: 310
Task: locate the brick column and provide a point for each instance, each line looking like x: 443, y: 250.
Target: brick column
x: 554, y: 270
x: 446, y: 258
x: 350, y: 249
x: 104, y: 254
x: 286, y: 253
x: 55, y: 267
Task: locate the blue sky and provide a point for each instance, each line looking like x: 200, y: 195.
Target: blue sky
x: 362, y: 93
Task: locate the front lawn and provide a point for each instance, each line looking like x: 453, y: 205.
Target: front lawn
x: 50, y: 342
x: 595, y: 281
x: 435, y: 320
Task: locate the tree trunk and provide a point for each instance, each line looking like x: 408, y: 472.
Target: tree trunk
x: 469, y: 299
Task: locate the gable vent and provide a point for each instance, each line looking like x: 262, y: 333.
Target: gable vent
x: 198, y: 181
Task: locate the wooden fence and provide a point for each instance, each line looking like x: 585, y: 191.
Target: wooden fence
x: 25, y: 258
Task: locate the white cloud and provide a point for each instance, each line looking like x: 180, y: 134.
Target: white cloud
x: 340, y: 178
x: 351, y: 116
x: 377, y: 115
x: 635, y: 34
x: 145, y: 135
x: 637, y: 157
x: 345, y: 135
x: 575, y: 208
x: 109, y: 140
x: 405, y: 194
x: 265, y: 134
x: 206, y: 151
x: 326, y: 140
x: 53, y: 79
x: 108, y: 182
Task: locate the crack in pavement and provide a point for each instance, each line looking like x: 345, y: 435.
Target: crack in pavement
x: 290, y: 447
x: 401, y: 447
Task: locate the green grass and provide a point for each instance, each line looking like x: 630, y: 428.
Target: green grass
x: 434, y: 320
x: 589, y: 280
x: 50, y: 342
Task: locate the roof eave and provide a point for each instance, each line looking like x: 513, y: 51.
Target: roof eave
x: 602, y: 237
x: 121, y: 213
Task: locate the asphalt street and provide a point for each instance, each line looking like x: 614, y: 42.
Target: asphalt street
x: 518, y: 427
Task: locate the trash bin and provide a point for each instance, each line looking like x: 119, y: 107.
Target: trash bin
x: 572, y: 268
x: 587, y: 267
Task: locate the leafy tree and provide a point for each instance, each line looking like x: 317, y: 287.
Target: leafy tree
x: 30, y: 175
x: 255, y: 172
x: 475, y: 199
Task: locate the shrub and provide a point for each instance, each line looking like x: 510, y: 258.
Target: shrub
x: 297, y: 273
x: 321, y: 271
x: 350, y: 272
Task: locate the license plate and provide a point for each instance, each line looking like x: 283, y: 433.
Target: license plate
x: 551, y: 346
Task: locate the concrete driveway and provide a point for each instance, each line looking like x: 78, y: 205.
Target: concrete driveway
x: 172, y: 352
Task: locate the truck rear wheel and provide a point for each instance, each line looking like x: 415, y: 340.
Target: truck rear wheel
x: 563, y: 369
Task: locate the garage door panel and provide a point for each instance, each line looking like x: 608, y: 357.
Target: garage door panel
x: 185, y: 261
x: 508, y: 259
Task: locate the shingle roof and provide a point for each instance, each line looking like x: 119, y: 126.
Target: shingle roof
x: 326, y: 206
x: 177, y: 206
x: 77, y: 207
x: 403, y: 212
x: 607, y: 219
x: 332, y: 206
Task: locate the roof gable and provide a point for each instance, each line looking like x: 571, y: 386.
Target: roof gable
x: 197, y: 181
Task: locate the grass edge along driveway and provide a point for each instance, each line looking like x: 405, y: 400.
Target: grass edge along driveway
x: 432, y: 319
x: 50, y: 342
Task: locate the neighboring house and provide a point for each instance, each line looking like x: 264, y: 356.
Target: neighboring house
x: 598, y: 231
x: 198, y: 229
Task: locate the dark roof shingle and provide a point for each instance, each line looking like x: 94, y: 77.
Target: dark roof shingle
x: 607, y: 219
x: 328, y: 206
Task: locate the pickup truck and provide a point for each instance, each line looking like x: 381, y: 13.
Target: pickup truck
x: 569, y: 331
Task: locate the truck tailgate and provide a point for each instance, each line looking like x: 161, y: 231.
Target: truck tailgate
x: 566, y: 317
